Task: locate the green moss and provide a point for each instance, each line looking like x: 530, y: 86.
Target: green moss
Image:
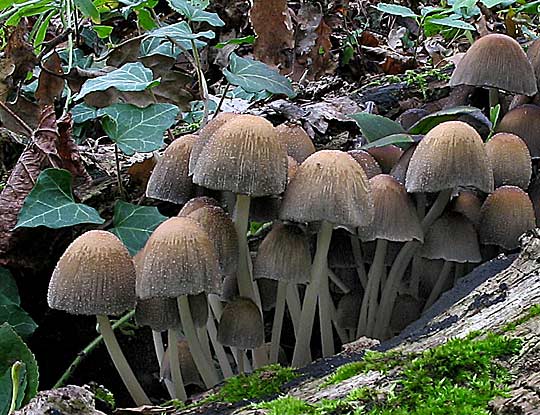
x: 286, y: 405
x: 262, y: 382
x: 531, y: 313
x: 372, y: 360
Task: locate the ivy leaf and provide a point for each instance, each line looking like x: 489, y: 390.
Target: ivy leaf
x: 255, y: 76
x: 394, y: 139
x: 8, y: 287
x: 134, y: 224
x: 451, y: 21
x: 130, y: 77
x: 424, y: 125
x: 157, y: 42
x: 83, y: 112
x: 374, y: 127
x: 17, y: 318
x: 13, y: 349
x: 51, y: 203
x: 181, y: 32
x: 88, y: 9
x: 246, y: 40
x: 6, y: 393
x: 195, y: 14
x: 396, y: 10
x: 138, y: 130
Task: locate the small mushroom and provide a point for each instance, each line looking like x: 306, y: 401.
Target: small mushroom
x: 524, y: 121
x: 197, y: 203
x: 510, y: 160
x: 367, y: 161
x: 297, y: 142
x: 386, y: 156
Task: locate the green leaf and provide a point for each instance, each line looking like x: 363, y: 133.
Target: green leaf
x: 13, y: 349
x: 181, y: 31
x: 17, y: 318
x: 134, y: 224
x: 374, y: 127
x: 452, y: 22
x: 424, y: 125
x: 83, y: 112
x: 8, y: 287
x: 194, y: 13
x: 6, y: 381
x: 103, y: 32
x: 396, y: 10
x: 138, y: 130
x: 493, y: 3
x: 246, y: 40
x: 494, y: 113
x: 51, y: 203
x: 158, y: 42
x: 42, y: 32
x: 394, y: 139
x: 255, y: 76
x: 88, y: 9
x: 145, y: 19
x: 130, y: 77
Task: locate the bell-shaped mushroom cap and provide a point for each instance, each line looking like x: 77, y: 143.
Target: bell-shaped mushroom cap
x: 244, y: 156
x: 95, y: 276
x: 506, y: 214
x: 453, y: 238
x: 160, y: 314
x: 284, y: 255
x: 292, y: 168
x: 368, y: 163
x: 197, y: 203
x: 340, y: 252
x: 198, y: 305
x: 230, y: 288
x: 268, y: 293
x: 220, y: 228
x: 524, y: 121
x: 180, y: 259
x: 205, y: 134
x: 190, y: 374
x: 297, y: 142
x: 469, y: 205
x: 386, y: 156
x: 406, y: 310
x: 348, y: 310
x: 329, y: 185
x: 510, y: 160
x: 496, y: 61
x: 533, y: 53
x: 395, y: 215
x: 399, y: 171
x: 169, y: 180
x: 452, y: 154
x: 534, y: 194
x: 241, y: 325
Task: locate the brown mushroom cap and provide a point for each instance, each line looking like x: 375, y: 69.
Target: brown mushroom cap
x: 452, y: 154
x: 268, y: 292
x: 452, y: 237
x: 348, y: 310
x: 329, y: 185
x: 244, y: 156
x: 297, y: 142
x: 367, y: 161
x: 220, y: 228
x: 284, y: 255
x: 190, y: 373
x: 469, y: 205
x: 205, y: 134
x: 395, y: 215
x: 241, y: 325
x: 496, y: 61
x: 160, y: 314
x: 524, y: 121
x: 197, y: 203
x: 94, y: 276
x: 399, y: 171
x: 169, y: 180
x: 198, y: 305
x: 386, y: 156
x: 506, y: 214
x: 230, y: 288
x: 180, y: 259
x: 510, y: 160
x: 533, y: 53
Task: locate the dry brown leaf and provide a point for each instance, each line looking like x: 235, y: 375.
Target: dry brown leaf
x: 140, y: 171
x: 20, y: 52
x: 271, y: 21
x: 51, y: 83
x: 26, y: 110
x: 320, y: 55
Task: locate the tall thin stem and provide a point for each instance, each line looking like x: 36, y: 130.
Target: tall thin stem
x: 158, y: 347
x: 219, y: 349
x: 179, y: 391
x: 121, y: 190
x: 277, y: 324
x: 439, y: 285
x: 325, y: 318
x: 241, y: 220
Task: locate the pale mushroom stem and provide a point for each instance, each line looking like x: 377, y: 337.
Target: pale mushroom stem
x: 179, y: 391
x: 359, y: 260
x: 241, y: 358
x: 439, y: 285
x: 206, y: 368
x: 294, y: 305
x: 158, y: 346
x: 325, y: 318
x: 122, y: 366
x: 277, y: 324
x: 301, y: 353
x: 218, y: 347
x: 202, y: 334
x: 335, y: 279
x: 368, y: 309
x: 400, y: 265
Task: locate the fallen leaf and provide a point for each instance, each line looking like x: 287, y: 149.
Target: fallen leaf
x: 20, y: 52
x: 50, y: 86
x: 140, y: 171
x: 26, y: 110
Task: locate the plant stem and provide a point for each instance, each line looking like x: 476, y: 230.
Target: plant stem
x: 218, y: 347
x: 318, y: 270
x: 335, y: 279
x: 222, y: 100
x: 359, y: 259
x: 277, y: 324
x: 122, y: 366
x: 439, y: 285
x: 16, y: 370
x: 88, y: 349
x: 493, y: 97
x: 205, y: 367
x: 179, y: 391
x: 241, y: 220
x: 158, y: 347
x: 294, y: 305
x: 203, y: 86
x: 121, y: 190
x: 325, y: 317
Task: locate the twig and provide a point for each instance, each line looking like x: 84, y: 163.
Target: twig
x: 221, y: 100
x: 118, y: 172
x: 16, y: 117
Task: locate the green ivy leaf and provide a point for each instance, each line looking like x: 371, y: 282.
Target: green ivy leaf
x: 157, y: 42
x: 138, y: 130
x: 83, y: 112
x: 194, y: 13
x: 134, y: 224
x: 103, y: 32
x: 374, y: 127
x: 88, y: 9
x: 255, y: 76
x: 8, y: 287
x: 246, y: 40
x: 451, y: 21
x: 394, y: 139
x: 51, y: 203
x: 396, y: 10
x: 130, y: 77
x: 424, y: 125
x: 6, y: 394
x: 492, y: 3
x: 13, y: 349
x: 17, y: 318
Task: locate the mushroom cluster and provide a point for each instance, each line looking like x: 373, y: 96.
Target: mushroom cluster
x: 359, y: 243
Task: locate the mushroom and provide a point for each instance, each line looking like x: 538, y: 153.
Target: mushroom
x: 180, y: 260
x: 510, y: 160
x: 524, y: 121
x: 330, y: 187
x: 395, y: 221
x: 197, y: 203
x: 283, y: 256
x: 496, y: 61
x: 399, y: 171
x: 387, y: 156
x: 297, y: 142
x: 169, y: 180
x: 367, y: 161
x: 190, y: 374
x: 506, y: 214
x: 468, y: 204
x: 96, y: 276
x: 241, y: 326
